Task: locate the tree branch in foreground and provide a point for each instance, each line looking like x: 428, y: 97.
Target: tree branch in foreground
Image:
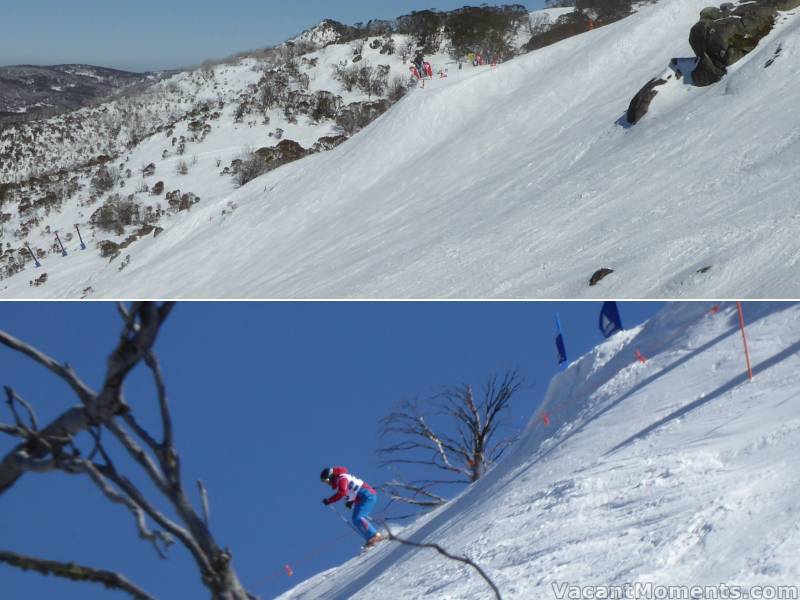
x: 74, y: 572
x: 445, y: 553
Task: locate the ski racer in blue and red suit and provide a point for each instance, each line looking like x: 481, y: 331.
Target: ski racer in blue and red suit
x: 359, y: 494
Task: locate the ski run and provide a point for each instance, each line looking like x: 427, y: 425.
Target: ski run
x: 520, y: 180
x: 673, y: 472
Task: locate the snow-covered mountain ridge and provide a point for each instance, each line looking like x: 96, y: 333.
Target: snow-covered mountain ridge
x: 36, y: 89
x: 103, y: 168
x: 521, y: 180
x: 674, y: 472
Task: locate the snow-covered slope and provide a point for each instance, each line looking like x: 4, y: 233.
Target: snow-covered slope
x: 515, y: 181
x: 676, y: 472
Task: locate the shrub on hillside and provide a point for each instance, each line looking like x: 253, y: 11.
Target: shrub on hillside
x: 565, y: 27
x: 388, y: 47
x: 106, y: 179
x: 347, y: 75
x: 326, y: 106
x: 252, y: 165
x: 397, y: 88
x: 604, y: 11
x: 272, y: 89
x: 485, y: 29
x: 425, y: 26
x: 116, y: 213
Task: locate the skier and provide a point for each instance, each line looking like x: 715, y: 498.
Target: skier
x: 419, y: 62
x: 359, y: 494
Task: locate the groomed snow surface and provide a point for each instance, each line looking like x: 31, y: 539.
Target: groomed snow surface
x: 515, y: 181
x: 678, y: 471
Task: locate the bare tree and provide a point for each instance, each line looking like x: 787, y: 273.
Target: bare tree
x: 76, y: 443
x: 456, y: 440
x: 407, y: 48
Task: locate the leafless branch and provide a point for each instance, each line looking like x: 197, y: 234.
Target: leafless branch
x: 162, y: 521
x: 75, y: 572
x: 77, y: 465
x: 139, y: 455
x: 63, y: 371
x: 12, y: 399
x: 166, y: 419
x: 411, y: 494
x: 12, y: 430
x: 445, y: 553
x: 204, y: 500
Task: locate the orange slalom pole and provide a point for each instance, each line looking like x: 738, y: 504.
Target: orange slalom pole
x: 744, y: 339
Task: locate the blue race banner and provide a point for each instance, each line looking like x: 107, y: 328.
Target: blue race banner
x: 610, y: 322
x: 560, y: 348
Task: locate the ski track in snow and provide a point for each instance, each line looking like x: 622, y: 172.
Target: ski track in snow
x: 675, y: 472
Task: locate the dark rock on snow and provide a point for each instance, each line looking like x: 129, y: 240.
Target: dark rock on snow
x: 724, y: 35
x: 641, y: 101
x: 598, y: 275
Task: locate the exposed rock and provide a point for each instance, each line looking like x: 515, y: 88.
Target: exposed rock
x: 41, y: 280
x: 357, y: 115
x: 149, y: 170
x: 599, y: 275
x: 725, y: 34
x: 285, y: 152
x: 158, y: 189
x: 328, y: 143
x: 641, y: 101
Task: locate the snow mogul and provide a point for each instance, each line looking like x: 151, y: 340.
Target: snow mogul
x: 359, y: 494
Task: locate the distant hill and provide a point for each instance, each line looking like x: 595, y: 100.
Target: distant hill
x: 26, y: 89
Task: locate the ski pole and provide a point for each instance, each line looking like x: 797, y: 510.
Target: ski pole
x: 338, y: 514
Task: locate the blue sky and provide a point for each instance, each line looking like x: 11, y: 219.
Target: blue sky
x: 264, y: 395
x: 150, y: 35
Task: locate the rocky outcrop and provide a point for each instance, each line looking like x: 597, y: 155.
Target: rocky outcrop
x: 285, y: 152
x: 599, y: 275
x: 328, y: 142
x: 721, y: 37
x: 357, y: 115
x: 724, y: 35
x: 641, y: 101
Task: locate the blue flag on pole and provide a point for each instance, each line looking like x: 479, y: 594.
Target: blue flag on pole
x: 560, y: 348
x: 610, y: 322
